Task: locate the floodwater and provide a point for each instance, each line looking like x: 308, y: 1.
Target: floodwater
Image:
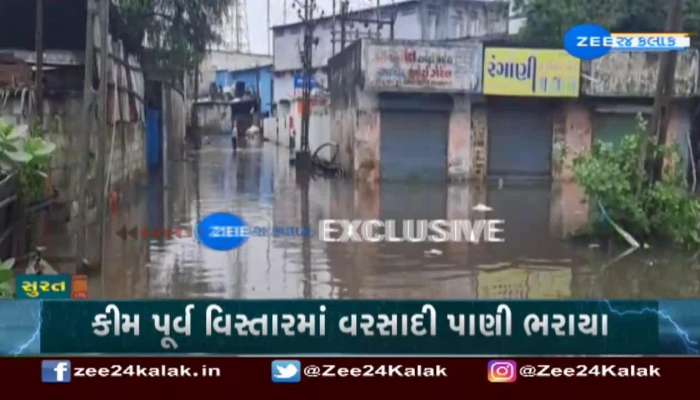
x: 259, y: 185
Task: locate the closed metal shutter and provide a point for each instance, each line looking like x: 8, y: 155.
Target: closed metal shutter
x: 414, y: 140
x: 520, y: 138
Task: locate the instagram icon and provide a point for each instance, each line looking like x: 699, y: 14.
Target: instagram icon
x: 502, y: 371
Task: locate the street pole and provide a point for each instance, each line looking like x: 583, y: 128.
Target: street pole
x: 333, y: 30
x: 39, y: 48
x: 379, y: 18
x: 308, y: 38
x: 343, y: 32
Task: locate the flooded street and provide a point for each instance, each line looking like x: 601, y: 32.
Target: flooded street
x: 259, y: 185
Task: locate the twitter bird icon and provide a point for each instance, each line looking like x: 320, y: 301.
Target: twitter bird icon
x: 286, y: 371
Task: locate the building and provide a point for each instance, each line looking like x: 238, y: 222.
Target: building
x: 255, y: 81
x: 559, y: 107
x: 220, y: 60
x: 401, y: 110
x: 458, y: 110
x: 414, y: 20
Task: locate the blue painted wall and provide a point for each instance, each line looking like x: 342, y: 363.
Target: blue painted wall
x: 228, y: 79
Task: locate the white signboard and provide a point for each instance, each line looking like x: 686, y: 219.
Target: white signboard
x: 404, y: 66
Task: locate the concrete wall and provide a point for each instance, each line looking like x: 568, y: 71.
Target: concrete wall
x: 450, y: 19
x: 63, y: 126
x: 214, y: 118
x: 479, y: 143
x: 276, y: 128
x: 283, y: 83
x: 578, y: 138
x: 635, y: 74
x: 345, y: 78
x: 175, y: 123
x: 459, y: 144
x: 678, y: 131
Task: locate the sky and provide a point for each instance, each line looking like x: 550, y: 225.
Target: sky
x: 257, y: 17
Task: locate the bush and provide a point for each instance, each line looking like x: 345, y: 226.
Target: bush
x: 650, y: 211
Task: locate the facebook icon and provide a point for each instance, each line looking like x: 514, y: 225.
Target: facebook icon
x: 55, y: 371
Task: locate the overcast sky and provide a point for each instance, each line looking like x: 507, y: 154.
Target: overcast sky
x: 257, y: 17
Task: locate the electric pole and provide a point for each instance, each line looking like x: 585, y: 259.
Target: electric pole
x: 307, y: 12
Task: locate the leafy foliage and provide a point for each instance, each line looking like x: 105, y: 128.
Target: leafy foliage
x: 28, y: 157
x: 178, y: 32
x: 6, y: 278
x: 663, y: 209
x: 10, y: 148
x: 548, y: 20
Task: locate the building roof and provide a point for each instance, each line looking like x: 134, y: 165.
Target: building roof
x: 249, y: 69
x: 354, y: 13
x: 351, y: 13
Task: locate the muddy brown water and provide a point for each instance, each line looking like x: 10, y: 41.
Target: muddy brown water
x: 259, y: 185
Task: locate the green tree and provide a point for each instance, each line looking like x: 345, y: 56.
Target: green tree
x: 548, y: 20
x: 176, y: 32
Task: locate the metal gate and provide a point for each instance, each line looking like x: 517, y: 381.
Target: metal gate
x: 414, y: 132
x: 520, y: 138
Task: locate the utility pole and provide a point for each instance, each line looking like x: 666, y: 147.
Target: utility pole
x: 333, y: 30
x: 307, y: 14
x: 344, y: 5
x: 39, y: 48
x: 379, y: 19
x: 83, y: 146
x: 658, y: 128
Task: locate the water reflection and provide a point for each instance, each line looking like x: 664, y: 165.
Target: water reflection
x: 260, y: 185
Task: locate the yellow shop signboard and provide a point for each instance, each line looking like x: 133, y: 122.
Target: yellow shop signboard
x: 530, y: 72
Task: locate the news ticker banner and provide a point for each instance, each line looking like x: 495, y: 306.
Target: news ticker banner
x: 350, y: 327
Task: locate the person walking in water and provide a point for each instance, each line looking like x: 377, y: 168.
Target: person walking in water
x: 234, y: 135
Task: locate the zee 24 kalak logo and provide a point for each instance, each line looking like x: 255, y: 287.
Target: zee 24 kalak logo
x: 589, y: 41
